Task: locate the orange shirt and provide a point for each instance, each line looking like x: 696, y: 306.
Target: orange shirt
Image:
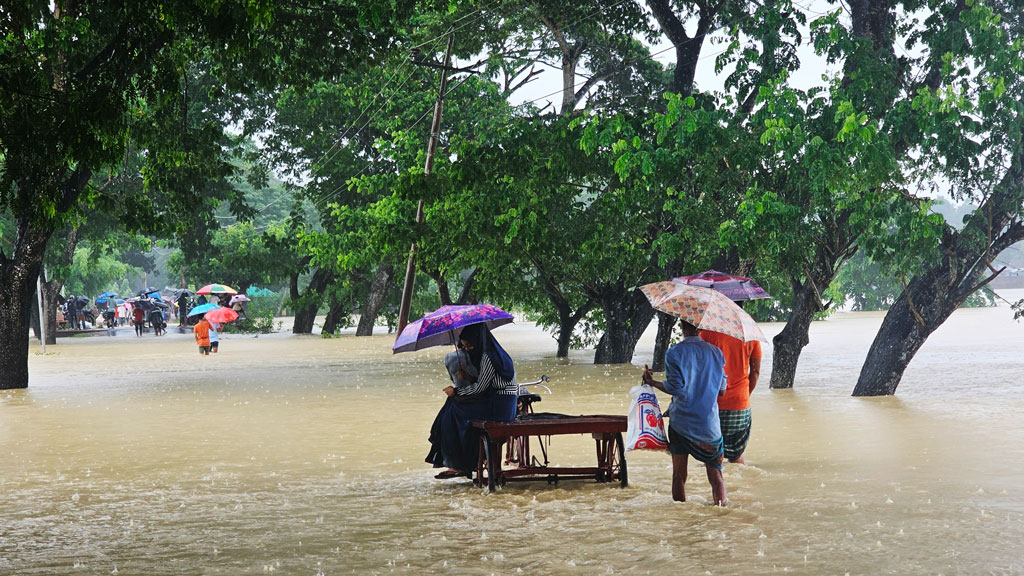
x: 202, y: 333
x: 737, y: 368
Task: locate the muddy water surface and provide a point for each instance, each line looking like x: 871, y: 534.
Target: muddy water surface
x: 302, y: 455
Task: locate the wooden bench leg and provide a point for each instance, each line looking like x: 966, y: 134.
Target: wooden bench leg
x: 492, y: 453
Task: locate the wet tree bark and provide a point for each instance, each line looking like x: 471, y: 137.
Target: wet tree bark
x: 666, y: 323
x: 51, y: 302
x: 443, y: 293
x: 833, y: 251
x: 568, y: 319
x: 53, y: 286
x: 790, y: 342
x: 932, y: 296
x: 335, y: 312
x: 17, y: 287
x: 308, y: 304
x: 379, y: 289
x: 626, y: 318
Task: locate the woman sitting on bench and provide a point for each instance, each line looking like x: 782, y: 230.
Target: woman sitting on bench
x: 491, y: 395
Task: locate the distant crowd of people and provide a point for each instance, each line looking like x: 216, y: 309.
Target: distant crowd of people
x: 75, y: 312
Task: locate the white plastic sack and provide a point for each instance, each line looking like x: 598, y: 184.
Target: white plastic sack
x: 645, y: 429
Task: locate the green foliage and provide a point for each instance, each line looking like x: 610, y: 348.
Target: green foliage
x: 94, y: 272
x: 240, y: 256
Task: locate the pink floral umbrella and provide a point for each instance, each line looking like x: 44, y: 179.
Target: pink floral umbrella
x: 705, y: 308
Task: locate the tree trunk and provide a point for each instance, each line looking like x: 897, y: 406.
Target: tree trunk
x: 53, y: 286
x: 17, y: 287
x: 335, y: 313
x: 379, y: 290
x: 687, y: 47
x: 898, y: 340
x: 666, y: 322
x: 308, y: 304
x: 51, y: 290
x: 567, y: 322
x: 567, y: 319
x: 443, y: 293
x: 932, y: 296
x: 626, y: 318
x: 789, y: 343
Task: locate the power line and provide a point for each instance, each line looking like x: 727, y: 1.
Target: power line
x: 324, y: 159
x: 423, y: 116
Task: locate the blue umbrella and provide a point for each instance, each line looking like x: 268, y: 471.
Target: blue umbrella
x: 102, y: 298
x: 202, y: 309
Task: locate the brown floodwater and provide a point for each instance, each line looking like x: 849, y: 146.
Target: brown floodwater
x: 303, y: 455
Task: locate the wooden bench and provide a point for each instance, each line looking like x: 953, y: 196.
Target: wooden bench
x: 606, y: 431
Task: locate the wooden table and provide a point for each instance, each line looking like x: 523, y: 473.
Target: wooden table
x: 606, y: 431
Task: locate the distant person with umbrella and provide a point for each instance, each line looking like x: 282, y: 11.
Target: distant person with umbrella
x: 238, y: 304
x: 138, y: 317
x: 182, y: 302
x: 71, y: 311
x: 156, y: 319
x: 201, y: 331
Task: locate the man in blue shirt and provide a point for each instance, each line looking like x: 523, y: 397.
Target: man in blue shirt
x: 695, y: 377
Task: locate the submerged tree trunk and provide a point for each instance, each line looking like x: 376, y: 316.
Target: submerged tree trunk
x: 308, y: 304
x: 17, y: 287
x: 901, y: 336
x: 379, y: 290
x: 626, y: 317
x: 932, y: 296
x: 666, y: 322
x: 567, y: 322
x: 335, y: 313
x: 567, y: 318
x: 51, y: 302
x: 790, y: 342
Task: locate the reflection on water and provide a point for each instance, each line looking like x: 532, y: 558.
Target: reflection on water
x: 304, y: 456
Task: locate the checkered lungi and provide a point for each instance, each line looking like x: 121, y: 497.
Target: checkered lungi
x: 707, y: 453
x: 735, y: 431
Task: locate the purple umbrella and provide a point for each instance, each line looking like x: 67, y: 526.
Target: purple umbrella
x: 735, y: 288
x: 438, y: 328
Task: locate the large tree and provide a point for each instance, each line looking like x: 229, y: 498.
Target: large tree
x: 969, y: 124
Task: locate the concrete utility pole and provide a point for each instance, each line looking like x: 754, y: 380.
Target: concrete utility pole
x: 42, y: 311
x: 435, y: 129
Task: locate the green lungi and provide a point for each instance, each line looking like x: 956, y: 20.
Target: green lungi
x: 735, y: 431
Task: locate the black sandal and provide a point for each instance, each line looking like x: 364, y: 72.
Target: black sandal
x: 449, y: 474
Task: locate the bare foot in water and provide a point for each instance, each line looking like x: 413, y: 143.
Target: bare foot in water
x: 736, y: 460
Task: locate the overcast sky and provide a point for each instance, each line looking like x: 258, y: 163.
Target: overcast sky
x: 546, y: 87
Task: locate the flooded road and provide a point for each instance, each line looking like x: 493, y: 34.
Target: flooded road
x: 303, y: 455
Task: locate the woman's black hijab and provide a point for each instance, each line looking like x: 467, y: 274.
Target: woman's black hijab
x: 483, y: 342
